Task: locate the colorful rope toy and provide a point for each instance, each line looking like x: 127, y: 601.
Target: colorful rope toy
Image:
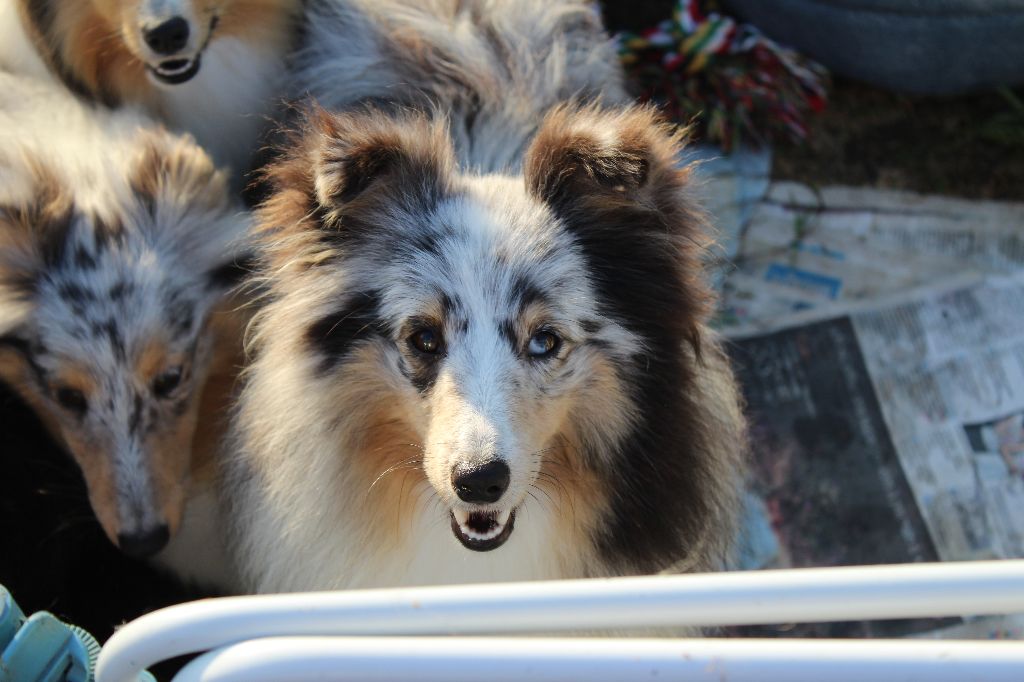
x: 727, y: 76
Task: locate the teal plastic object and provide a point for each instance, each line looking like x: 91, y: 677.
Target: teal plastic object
x: 42, y: 648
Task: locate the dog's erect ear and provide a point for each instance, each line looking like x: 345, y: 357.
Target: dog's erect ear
x: 587, y: 158
x: 34, y: 233
x: 357, y: 154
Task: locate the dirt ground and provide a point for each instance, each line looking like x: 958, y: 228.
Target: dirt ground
x: 969, y: 146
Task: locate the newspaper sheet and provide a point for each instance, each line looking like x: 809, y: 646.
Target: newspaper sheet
x: 892, y: 433
x: 812, y: 249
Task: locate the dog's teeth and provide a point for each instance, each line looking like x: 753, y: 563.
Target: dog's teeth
x: 503, y: 518
x: 462, y: 517
x: 174, y: 71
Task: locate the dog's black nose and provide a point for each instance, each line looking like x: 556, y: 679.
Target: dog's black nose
x: 169, y: 37
x: 482, y: 484
x: 144, y: 543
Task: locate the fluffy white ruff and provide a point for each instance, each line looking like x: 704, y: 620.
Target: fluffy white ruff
x: 17, y: 53
x: 227, y: 103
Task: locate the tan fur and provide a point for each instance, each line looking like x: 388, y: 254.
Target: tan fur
x: 152, y: 361
x: 227, y: 323
x: 180, y: 168
x: 27, y: 225
x: 169, y: 453
x: 99, y: 479
x: 387, y: 460
x: 94, y: 44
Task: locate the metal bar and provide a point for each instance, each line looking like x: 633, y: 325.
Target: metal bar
x: 758, y: 597
x: 423, y: 659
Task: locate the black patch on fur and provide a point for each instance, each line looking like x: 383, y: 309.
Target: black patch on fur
x: 84, y: 259
x: 23, y: 284
x: 180, y: 313
x: 53, y: 238
x: 600, y: 344
x: 229, y: 274
x: 28, y: 352
x: 657, y: 508
x: 424, y: 241
x: 527, y: 293
x: 423, y: 372
x: 75, y: 294
x: 144, y: 195
x: 333, y: 336
x: 591, y: 326
x: 135, y: 420
x: 450, y: 307
x: 116, y: 339
x: 118, y: 290
x: 362, y: 168
x: 507, y: 331
x: 106, y: 235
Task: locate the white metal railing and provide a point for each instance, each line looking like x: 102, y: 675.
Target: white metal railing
x: 425, y: 659
x: 395, y: 633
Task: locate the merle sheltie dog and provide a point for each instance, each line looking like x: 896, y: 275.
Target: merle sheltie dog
x: 212, y: 68
x: 482, y: 354
x: 118, y: 243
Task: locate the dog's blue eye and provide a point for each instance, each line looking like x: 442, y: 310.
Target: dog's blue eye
x: 543, y: 344
x: 426, y: 341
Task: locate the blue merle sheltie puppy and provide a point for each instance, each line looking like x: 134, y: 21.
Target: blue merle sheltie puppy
x: 483, y: 352
x: 118, y: 242
x: 213, y: 68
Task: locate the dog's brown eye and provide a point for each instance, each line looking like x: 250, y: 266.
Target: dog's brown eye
x: 426, y: 341
x: 543, y: 344
x: 165, y: 383
x: 72, y: 400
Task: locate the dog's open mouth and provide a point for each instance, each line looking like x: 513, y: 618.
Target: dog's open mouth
x: 175, y: 71
x: 482, y: 531
x: 180, y: 70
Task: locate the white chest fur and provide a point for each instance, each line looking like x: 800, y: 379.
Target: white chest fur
x: 226, y: 105
x: 17, y: 53
x: 315, y: 557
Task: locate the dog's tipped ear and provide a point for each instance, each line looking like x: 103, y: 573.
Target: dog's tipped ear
x: 35, y: 226
x: 614, y: 180
x: 589, y: 158
x: 172, y: 173
x: 359, y: 153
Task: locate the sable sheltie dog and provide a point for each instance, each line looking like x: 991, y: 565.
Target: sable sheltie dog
x: 117, y: 242
x: 482, y: 354
x: 209, y: 67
